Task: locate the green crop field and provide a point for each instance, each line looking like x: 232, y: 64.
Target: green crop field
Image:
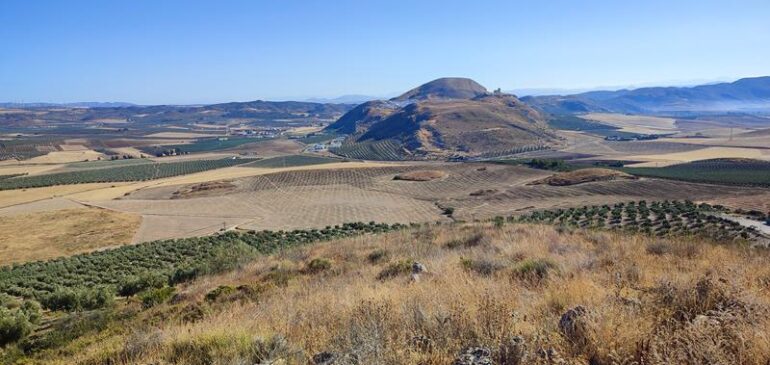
x: 657, y: 218
x: 139, y: 172
x: 25, y: 149
x: 130, y: 269
x: 319, y: 137
x: 202, y: 145
x: 717, y: 171
x: 292, y: 161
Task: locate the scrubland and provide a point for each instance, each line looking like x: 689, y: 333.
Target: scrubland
x: 452, y: 293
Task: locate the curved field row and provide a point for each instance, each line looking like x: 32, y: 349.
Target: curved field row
x: 522, y: 198
x: 385, y: 150
x: 118, y: 174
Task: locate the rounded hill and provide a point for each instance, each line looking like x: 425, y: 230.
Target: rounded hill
x: 445, y: 88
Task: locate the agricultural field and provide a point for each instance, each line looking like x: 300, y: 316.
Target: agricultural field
x: 64, y: 232
x: 25, y: 149
x: 268, y: 200
x: 638, y: 124
x: 201, y: 145
x: 743, y: 172
x: 135, y: 172
x: 291, y: 161
x: 170, y: 261
x: 665, y: 159
x: 384, y: 150
x: 657, y: 218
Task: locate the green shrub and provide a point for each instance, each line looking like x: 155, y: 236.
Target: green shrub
x: 534, y: 269
x: 62, y: 299
x: 147, y: 280
x: 219, y: 293
x: 78, y: 299
x: 481, y: 266
x: 317, y: 265
x: 499, y: 221
x: 153, y: 297
x: 14, y: 326
x: 401, y: 267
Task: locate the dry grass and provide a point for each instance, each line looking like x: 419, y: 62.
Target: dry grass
x: 77, y: 154
x: 23, y: 196
x: 643, y: 302
x: 45, y: 235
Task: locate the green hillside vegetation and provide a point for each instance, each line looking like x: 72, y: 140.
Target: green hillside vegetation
x: 139, y: 172
x: 657, y: 218
x: 744, y: 172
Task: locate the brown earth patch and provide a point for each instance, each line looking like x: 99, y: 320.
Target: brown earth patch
x: 583, y: 176
x: 203, y: 189
x: 422, y: 175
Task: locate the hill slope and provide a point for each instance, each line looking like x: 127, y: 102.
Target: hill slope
x: 446, y: 117
x: 512, y: 293
x: 444, y: 88
x: 477, y: 126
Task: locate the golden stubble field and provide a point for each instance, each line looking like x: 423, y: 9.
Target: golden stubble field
x: 635, y: 123
x: 63, y: 232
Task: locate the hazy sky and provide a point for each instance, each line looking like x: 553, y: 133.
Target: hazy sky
x: 194, y: 51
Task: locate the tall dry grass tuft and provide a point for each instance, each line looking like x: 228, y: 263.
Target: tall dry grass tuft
x: 519, y: 294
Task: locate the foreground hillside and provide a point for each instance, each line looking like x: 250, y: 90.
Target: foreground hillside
x: 451, y: 294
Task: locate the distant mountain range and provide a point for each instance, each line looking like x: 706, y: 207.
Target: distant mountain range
x: 85, y: 104
x: 344, y: 99
x: 745, y: 95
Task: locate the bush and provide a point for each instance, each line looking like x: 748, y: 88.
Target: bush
x: 402, y: 267
x: 537, y: 269
x: 14, y: 326
x: 62, y: 299
x: 482, y: 266
x: 317, y: 265
x: 135, y: 284
x: 280, y: 276
x: 377, y: 256
x: 467, y: 242
x: 153, y: 297
x: 499, y: 221
x: 219, y: 293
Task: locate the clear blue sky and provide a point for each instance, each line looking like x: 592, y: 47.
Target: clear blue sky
x: 153, y: 51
